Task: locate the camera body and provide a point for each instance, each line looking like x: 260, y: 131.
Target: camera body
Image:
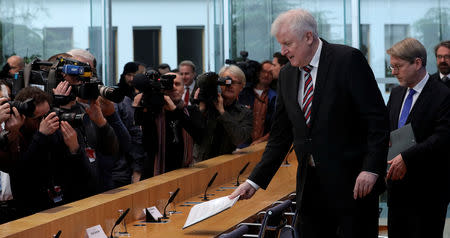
x: 74, y: 119
x: 153, y: 85
x: 209, y: 84
x: 25, y: 108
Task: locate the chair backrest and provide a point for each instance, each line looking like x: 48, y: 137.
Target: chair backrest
x: 237, y: 233
x: 274, y: 214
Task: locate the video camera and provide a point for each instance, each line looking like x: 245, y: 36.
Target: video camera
x: 251, y: 68
x: 25, y: 108
x: 47, y: 74
x: 209, y: 84
x: 153, y: 85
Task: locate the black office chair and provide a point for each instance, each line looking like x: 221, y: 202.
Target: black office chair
x: 237, y: 233
x: 273, y: 221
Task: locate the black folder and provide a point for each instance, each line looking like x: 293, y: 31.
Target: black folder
x: 401, y: 140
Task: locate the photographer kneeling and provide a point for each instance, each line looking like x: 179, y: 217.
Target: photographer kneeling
x: 227, y: 123
x: 166, y: 123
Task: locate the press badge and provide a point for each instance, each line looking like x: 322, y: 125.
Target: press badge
x: 90, y: 154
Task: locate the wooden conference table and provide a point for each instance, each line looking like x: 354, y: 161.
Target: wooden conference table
x: 74, y: 218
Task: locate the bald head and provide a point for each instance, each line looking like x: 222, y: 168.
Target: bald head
x: 16, y: 63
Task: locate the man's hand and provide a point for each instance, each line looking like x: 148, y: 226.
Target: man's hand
x: 4, y: 110
x: 398, y: 168
x: 245, y: 190
x: 95, y: 113
x: 106, y: 106
x: 219, y: 104
x: 169, y: 106
x: 70, y: 137
x: 364, y: 184
x: 63, y: 88
x: 137, y: 100
x: 49, y: 125
x: 15, y: 122
x: 136, y: 177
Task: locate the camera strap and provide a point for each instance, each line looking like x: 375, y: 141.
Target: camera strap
x: 51, y: 80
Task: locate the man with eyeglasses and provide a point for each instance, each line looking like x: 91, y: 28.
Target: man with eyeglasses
x: 417, y: 177
x: 442, y: 52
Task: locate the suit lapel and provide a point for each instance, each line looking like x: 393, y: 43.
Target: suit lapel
x: 292, y: 93
x: 422, y: 99
x: 321, y: 79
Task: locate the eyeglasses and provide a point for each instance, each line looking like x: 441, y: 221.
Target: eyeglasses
x: 446, y: 57
x: 392, y: 67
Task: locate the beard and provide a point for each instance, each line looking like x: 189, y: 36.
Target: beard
x: 444, y: 68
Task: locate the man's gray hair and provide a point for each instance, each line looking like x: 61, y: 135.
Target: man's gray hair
x: 187, y: 63
x: 298, y: 21
x: 82, y: 53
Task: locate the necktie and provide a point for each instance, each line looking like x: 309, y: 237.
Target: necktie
x: 186, y: 96
x: 406, y: 108
x: 445, y: 79
x: 308, y: 91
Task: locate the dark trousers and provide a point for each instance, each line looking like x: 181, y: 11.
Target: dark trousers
x: 416, y: 222
x: 318, y: 220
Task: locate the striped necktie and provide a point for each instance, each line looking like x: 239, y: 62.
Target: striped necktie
x: 308, y: 91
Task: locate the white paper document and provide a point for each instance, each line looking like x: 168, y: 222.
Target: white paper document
x: 208, y: 209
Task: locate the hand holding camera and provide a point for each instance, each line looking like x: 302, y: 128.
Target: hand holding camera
x: 70, y: 137
x: 95, y: 113
x: 15, y: 121
x: 4, y: 110
x: 49, y: 124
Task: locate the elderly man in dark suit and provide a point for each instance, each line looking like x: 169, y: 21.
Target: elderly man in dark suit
x: 331, y: 109
x: 417, y: 178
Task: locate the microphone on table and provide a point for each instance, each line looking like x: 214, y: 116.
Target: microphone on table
x: 58, y: 234
x: 119, y: 220
x: 241, y: 172
x: 205, y: 198
x: 169, y: 201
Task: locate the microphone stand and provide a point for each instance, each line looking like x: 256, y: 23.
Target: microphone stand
x: 119, y: 220
x: 286, y: 163
x: 169, y: 201
x: 241, y: 172
x: 58, y: 234
x: 205, y: 198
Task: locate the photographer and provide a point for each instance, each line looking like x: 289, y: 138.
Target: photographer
x: 49, y: 168
x: 227, y: 123
x: 136, y: 153
x: 95, y: 135
x: 166, y: 132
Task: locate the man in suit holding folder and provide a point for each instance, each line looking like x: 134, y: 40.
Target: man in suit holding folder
x: 417, y: 178
x: 331, y: 109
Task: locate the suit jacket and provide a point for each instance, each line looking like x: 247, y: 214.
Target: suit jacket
x: 349, y: 126
x: 425, y: 181
x: 437, y: 77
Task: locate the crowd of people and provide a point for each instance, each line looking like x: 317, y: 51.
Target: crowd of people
x: 57, y: 147
x: 73, y: 147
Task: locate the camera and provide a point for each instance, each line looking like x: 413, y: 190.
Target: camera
x: 251, y: 68
x: 209, y: 83
x: 74, y: 119
x: 25, y: 108
x: 153, y: 85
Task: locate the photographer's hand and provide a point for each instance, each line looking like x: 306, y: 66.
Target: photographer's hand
x: 4, y: 110
x: 15, y: 122
x: 70, y: 137
x: 201, y: 105
x: 137, y: 100
x: 63, y: 88
x: 49, y: 124
x: 219, y: 104
x: 169, y: 106
x: 106, y: 106
x: 95, y: 113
